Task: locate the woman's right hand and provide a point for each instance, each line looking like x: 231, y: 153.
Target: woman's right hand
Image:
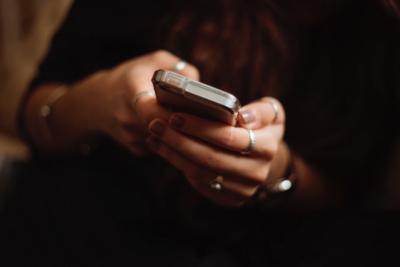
x: 102, y: 104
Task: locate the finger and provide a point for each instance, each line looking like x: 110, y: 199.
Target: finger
x: 211, y: 157
x: 188, y: 70
x: 240, y: 190
x: 227, y: 196
x: 198, y: 177
x: 236, y: 139
x: 139, y: 80
x: 163, y: 59
x: 160, y: 59
x: 140, y: 71
x: 265, y: 111
x: 146, y: 109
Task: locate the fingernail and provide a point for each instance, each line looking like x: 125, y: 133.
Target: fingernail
x: 153, y: 143
x: 157, y: 128
x: 177, y: 121
x: 247, y: 116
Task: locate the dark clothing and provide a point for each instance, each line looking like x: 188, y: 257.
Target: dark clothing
x: 341, y: 110
x: 112, y: 206
x: 81, y: 213
x: 340, y: 98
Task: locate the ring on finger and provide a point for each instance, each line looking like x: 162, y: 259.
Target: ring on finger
x: 217, y: 183
x: 252, y: 142
x: 275, y: 108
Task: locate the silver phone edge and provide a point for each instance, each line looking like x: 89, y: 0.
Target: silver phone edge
x: 232, y: 103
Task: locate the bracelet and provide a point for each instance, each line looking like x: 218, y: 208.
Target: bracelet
x: 45, y: 110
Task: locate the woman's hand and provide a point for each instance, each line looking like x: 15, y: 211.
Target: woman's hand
x: 204, y: 150
x: 102, y: 104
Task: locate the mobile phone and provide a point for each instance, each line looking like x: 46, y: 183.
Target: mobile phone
x: 185, y: 95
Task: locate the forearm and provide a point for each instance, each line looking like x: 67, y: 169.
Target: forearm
x: 311, y: 189
x: 314, y: 190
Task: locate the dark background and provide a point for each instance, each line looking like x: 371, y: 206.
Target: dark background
x: 95, y: 210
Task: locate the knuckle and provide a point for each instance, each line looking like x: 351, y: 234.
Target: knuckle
x: 273, y: 149
x: 228, y: 138
x: 249, y: 192
x: 122, y: 118
x: 212, y: 161
x: 267, y: 153
x: 130, y: 77
x: 209, y: 160
x: 144, y: 113
x: 279, y: 106
x: 259, y: 176
x: 161, y: 54
x: 273, y: 100
x: 269, y: 150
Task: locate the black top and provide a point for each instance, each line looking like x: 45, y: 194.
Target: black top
x: 340, y: 103
x: 341, y: 110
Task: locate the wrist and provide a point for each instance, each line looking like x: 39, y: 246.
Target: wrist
x: 280, y: 164
x: 281, y: 178
x: 52, y: 119
x: 36, y: 125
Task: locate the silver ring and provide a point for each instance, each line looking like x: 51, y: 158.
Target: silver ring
x: 275, y: 108
x: 216, y: 184
x: 180, y: 65
x: 136, y: 98
x: 252, y: 142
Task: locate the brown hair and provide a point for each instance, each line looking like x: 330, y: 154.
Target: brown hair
x: 393, y: 6
x: 235, y: 45
x: 247, y: 47
x: 328, y: 66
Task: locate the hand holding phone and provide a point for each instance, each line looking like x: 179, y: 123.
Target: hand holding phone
x: 183, y: 94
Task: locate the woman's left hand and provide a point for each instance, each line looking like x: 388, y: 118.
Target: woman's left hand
x: 207, y: 151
